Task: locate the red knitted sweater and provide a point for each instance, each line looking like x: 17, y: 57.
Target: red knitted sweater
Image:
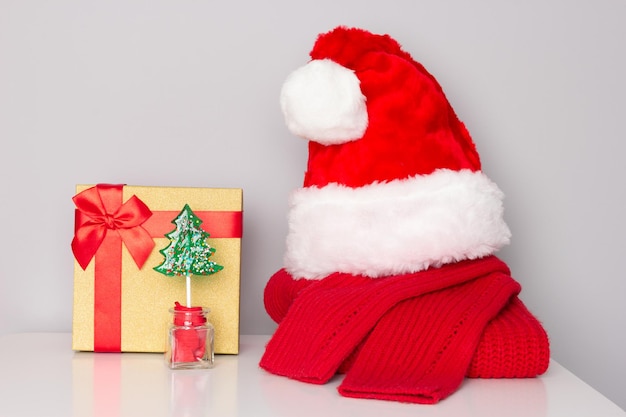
x: 410, y: 338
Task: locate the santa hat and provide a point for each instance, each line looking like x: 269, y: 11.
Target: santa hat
x: 393, y: 183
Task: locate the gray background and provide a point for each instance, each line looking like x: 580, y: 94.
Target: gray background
x: 185, y: 93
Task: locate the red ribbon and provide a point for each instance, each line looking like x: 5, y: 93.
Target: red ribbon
x: 99, y: 211
x: 219, y: 224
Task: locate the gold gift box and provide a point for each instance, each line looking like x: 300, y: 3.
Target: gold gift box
x: 147, y: 295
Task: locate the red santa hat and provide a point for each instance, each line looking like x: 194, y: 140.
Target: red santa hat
x: 393, y: 183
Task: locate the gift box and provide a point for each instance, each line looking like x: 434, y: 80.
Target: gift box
x: 121, y: 303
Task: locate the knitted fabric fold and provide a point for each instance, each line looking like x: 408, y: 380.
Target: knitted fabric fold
x: 420, y: 350
x: 410, y: 338
x: 513, y: 345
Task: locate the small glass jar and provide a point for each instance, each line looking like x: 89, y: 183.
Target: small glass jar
x: 190, y: 339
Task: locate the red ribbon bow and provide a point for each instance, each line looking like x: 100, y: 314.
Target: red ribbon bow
x: 99, y: 210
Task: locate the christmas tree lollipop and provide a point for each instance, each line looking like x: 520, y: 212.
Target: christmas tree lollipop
x: 190, y: 341
x: 188, y: 252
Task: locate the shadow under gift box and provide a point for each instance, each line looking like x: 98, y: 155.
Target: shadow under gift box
x: 120, y: 306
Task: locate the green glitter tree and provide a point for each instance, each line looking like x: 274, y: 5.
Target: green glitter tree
x: 188, y: 252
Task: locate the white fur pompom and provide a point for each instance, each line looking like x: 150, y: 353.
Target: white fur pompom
x: 322, y: 101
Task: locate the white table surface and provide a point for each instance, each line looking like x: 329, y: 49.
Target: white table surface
x: 41, y: 376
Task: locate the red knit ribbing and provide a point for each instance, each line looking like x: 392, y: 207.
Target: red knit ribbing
x: 513, y: 345
x: 331, y: 317
x: 420, y: 350
x: 280, y: 292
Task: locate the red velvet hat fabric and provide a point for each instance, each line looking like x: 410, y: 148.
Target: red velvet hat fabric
x: 412, y: 128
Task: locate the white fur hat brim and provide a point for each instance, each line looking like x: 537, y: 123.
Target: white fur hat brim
x: 396, y: 227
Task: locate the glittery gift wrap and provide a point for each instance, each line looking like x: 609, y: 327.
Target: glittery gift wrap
x: 145, y: 295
